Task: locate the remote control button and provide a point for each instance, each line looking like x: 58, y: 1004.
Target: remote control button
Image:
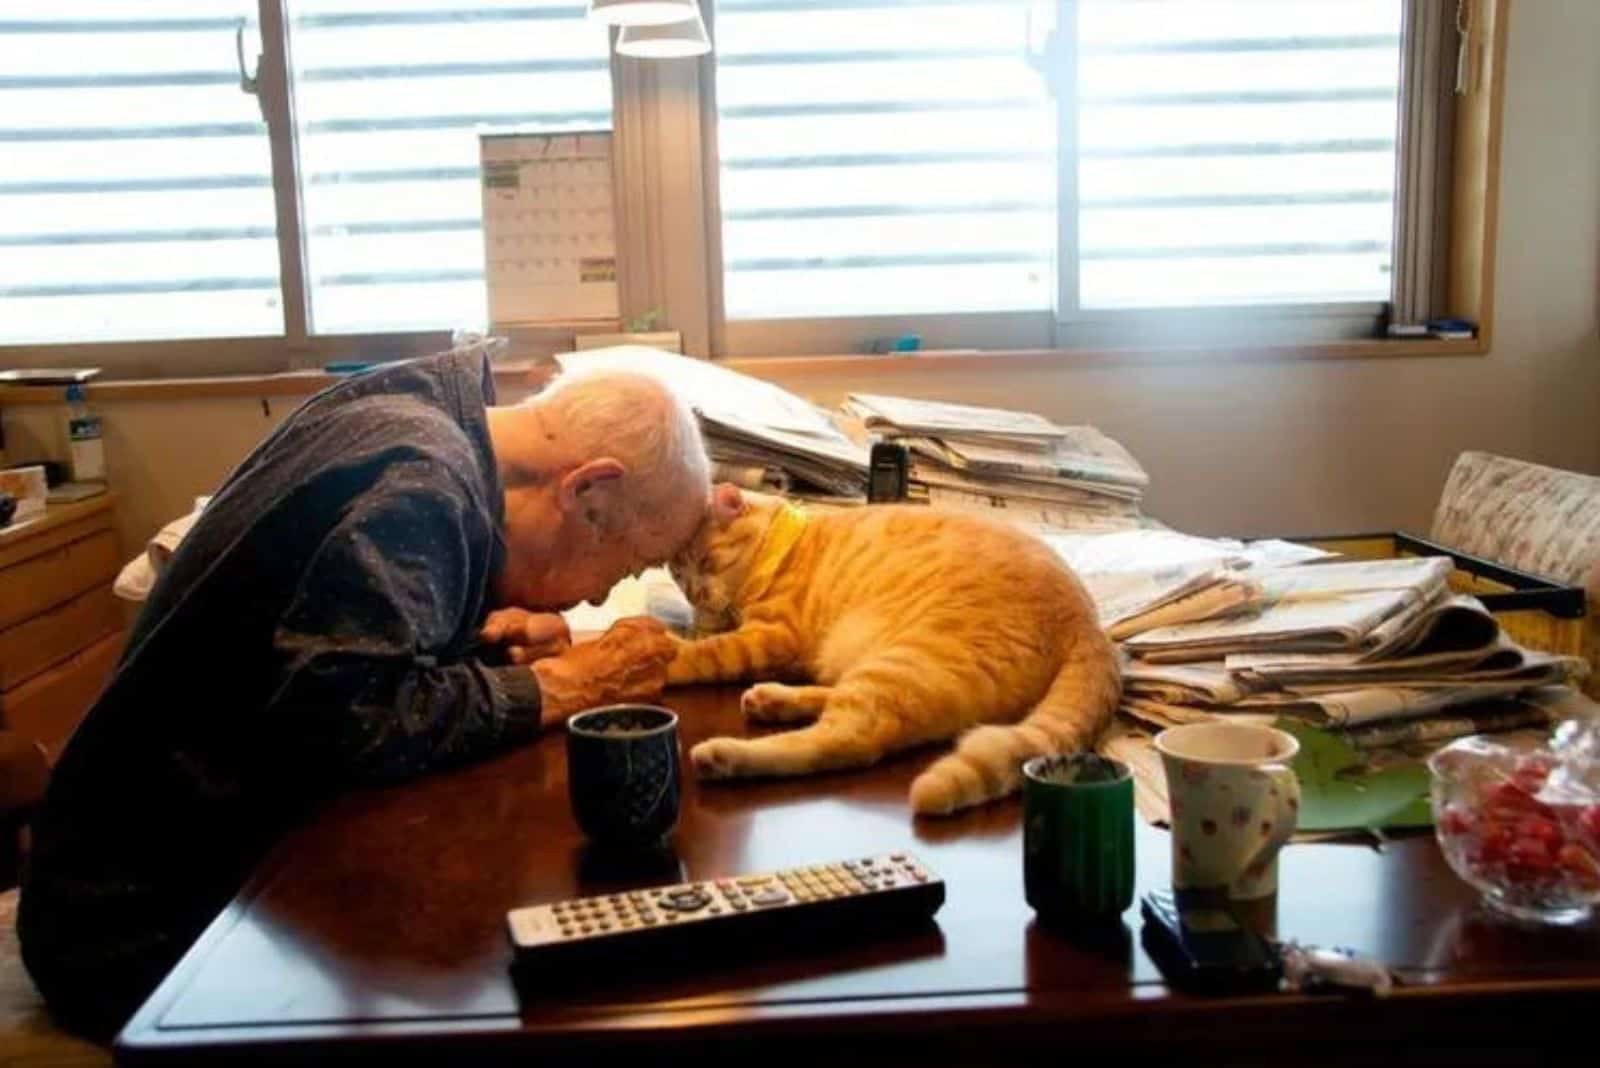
x: 648, y: 921
x: 867, y: 862
x: 715, y: 910
x: 604, y: 926
x: 738, y: 906
x: 686, y: 900
x: 585, y: 928
x: 770, y: 896
x: 898, y: 858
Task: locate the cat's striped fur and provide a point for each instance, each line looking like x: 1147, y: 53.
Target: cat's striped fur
x: 910, y: 625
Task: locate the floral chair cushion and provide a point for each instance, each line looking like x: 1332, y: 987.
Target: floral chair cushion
x: 1534, y: 518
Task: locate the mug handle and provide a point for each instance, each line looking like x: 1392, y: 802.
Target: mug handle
x: 1286, y: 815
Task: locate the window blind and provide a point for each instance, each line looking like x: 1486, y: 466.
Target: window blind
x: 390, y: 98
x: 135, y: 178
x: 1235, y: 152
x: 883, y: 156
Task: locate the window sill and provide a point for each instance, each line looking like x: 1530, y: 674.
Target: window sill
x: 284, y: 384
x: 1038, y: 359
x: 533, y: 374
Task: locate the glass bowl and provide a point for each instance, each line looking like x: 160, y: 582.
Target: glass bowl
x: 1514, y: 823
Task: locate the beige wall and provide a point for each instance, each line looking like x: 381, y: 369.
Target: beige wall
x: 1249, y: 448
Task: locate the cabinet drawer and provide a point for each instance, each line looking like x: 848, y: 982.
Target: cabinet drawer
x: 55, y: 634
x: 48, y: 706
x: 42, y: 581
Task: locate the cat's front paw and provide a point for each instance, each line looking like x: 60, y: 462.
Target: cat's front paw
x: 683, y: 669
x: 717, y: 758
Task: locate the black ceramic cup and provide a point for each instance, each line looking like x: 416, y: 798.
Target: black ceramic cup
x: 622, y: 773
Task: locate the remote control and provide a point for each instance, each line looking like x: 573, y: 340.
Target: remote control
x: 876, y: 892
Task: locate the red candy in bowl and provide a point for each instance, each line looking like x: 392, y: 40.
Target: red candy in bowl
x: 1521, y: 822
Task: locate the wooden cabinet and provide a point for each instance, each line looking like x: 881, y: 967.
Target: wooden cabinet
x: 60, y: 625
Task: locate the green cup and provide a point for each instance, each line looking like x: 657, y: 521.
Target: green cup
x: 1077, y: 841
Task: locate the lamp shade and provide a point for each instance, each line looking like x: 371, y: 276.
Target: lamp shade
x: 666, y: 41
x: 642, y: 12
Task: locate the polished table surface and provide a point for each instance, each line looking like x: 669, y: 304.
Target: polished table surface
x: 380, y: 929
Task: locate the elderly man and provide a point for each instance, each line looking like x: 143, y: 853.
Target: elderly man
x: 332, y: 618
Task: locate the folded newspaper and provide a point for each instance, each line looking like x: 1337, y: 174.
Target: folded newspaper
x: 1318, y: 607
x: 747, y: 423
x: 1136, y: 575
x: 1084, y: 456
x: 907, y: 415
x: 1020, y: 463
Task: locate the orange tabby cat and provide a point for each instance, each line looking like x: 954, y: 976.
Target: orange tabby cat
x: 914, y: 624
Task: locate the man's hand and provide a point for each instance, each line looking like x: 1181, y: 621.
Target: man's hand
x: 627, y: 663
x: 527, y: 636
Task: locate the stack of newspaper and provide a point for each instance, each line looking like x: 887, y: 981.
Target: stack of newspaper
x: 1379, y: 650
x: 758, y: 435
x: 969, y: 457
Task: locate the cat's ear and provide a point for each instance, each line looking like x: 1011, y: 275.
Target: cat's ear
x: 727, y: 503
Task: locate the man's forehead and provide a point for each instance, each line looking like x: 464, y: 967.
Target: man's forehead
x: 662, y: 535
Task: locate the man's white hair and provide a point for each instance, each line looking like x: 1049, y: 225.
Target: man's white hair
x: 640, y: 421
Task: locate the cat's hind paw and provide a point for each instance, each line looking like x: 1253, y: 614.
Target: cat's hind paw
x: 717, y: 758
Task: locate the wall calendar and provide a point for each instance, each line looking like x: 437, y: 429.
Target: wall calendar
x: 549, y: 227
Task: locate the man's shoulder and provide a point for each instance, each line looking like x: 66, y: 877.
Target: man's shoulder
x: 367, y: 421
x: 458, y: 382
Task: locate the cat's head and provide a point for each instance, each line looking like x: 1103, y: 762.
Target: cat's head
x: 712, y: 568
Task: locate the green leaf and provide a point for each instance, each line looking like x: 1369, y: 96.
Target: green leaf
x: 1339, y: 793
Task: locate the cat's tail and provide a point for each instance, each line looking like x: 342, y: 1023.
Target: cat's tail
x: 987, y: 764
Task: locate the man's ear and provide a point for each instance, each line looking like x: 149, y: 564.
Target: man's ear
x: 588, y: 488
x: 727, y: 503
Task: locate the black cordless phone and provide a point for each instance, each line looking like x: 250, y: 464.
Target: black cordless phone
x: 887, y: 475
x: 1203, y: 948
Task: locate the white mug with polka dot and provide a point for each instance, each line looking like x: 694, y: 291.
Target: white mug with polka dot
x: 1235, y: 802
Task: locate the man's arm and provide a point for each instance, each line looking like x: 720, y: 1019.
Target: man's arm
x: 367, y: 686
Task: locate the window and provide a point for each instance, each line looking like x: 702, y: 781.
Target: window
x: 389, y: 99
x: 1023, y: 174
x: 1235, y: 152
x: 881, y: 156
x: 135, y: 178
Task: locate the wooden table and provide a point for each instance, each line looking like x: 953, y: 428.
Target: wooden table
x: 379, y: 930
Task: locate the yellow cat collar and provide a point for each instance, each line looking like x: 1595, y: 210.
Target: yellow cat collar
x: 784, y: 530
